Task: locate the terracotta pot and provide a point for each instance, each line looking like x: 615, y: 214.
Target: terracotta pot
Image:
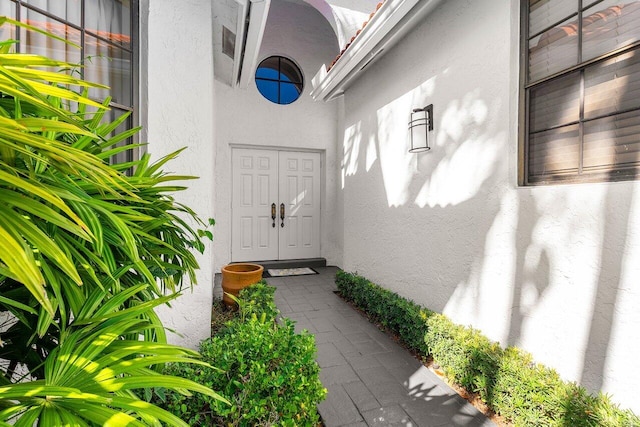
x: 236, y: 277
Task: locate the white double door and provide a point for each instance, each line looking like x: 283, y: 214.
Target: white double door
x: 275, y: 205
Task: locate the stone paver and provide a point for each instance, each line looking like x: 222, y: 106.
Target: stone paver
x: 371, y: 380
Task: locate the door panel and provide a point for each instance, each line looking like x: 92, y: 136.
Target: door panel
x: 263, y: 177
x: 300, y: 181
x: 255, y: 188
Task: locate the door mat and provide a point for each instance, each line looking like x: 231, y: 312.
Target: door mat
x: 283, y: 272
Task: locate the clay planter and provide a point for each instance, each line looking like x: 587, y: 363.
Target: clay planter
x: 236, y: 277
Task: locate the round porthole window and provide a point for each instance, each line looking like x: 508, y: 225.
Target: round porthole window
x: 279, y: 80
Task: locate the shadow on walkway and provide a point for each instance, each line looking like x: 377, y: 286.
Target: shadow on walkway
x: 371, y: 380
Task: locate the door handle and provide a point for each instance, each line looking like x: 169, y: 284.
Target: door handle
x: 282, y: 214
x: 273, y: 214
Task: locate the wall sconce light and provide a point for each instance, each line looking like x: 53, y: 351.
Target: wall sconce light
x: 419, y: 126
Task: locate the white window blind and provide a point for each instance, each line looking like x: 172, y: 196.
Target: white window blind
x: 582, y: 90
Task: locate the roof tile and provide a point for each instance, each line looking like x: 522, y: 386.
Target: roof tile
x: 356, y: 35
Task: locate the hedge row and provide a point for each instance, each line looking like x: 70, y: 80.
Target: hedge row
x: 266, y: 370
x: 507, y: 380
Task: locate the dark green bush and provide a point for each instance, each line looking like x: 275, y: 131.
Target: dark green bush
x: 466, y: 356
x: 507, y: 380
x: 529, y: 393
x: 399, y: 315
x: 263, y: 367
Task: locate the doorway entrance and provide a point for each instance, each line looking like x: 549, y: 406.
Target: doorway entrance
x: 275, y: 205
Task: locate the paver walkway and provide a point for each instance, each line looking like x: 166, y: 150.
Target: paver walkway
x: 371, y: 380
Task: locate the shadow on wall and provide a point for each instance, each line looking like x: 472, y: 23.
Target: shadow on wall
x: 455, y: 214
x: 459, y: 183
x: 532, y: 271
x: 617, y: 212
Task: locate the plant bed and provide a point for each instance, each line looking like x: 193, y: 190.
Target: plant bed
x: 507, y: 381
x: 428, y: 362
x: 266, y: 370
x: 220, y: 315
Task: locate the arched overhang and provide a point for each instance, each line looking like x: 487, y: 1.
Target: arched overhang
x: 345, y: 17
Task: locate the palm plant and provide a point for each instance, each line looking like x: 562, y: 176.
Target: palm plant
x: 86, y: 253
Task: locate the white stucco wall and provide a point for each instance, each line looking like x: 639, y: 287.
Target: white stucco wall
x: 245, y: 117
x: 177, y: 96
x: 551, y: 269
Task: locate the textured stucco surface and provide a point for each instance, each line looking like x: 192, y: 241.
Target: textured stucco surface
x: 246, y: 118
x: 551, y: 269
x: 177, y: 89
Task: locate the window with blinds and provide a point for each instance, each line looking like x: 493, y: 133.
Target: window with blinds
x: 105, y: 31
x: 581, y: 82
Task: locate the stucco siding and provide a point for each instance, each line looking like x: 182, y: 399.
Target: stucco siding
x: 551, y: 269
x: 177, y: 92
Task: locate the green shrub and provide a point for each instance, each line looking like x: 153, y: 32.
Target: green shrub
x: 467, y: 357
x: 400, y: 315
x: 263, y: 367
x: 507, y: 380
x: 526, y: 392
x: 580, y: 409
x: 258, y: 299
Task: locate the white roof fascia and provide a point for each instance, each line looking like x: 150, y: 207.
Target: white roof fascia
x: 258, y: 12
x: 241, y: 25
x: 385, y: 27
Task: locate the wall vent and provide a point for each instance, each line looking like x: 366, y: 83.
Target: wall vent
x: 228, y: 42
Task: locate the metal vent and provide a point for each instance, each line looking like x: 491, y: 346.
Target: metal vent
x: 228, y: 42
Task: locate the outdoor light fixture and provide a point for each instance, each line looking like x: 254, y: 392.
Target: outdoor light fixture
x: 419, y: 126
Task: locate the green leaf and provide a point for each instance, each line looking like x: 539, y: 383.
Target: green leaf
x: 36, y: 29
x: 37, y: 238
x: 20, y: 262
x: 42, y: 211
x: 16, y: 304
x: 40, y: 192
x: 35, y: 124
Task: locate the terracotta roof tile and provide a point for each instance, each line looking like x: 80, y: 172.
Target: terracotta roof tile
x: 357, y: 34
x: 68, y: 33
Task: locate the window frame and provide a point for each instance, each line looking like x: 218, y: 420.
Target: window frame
x: 524, y: 103
x: 279, y: 80
x: 134, y: 119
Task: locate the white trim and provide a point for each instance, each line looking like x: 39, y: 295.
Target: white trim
x: 277, y: 148
x: 387, y: 26
x: 243, y: 10
x: 258, y: 12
